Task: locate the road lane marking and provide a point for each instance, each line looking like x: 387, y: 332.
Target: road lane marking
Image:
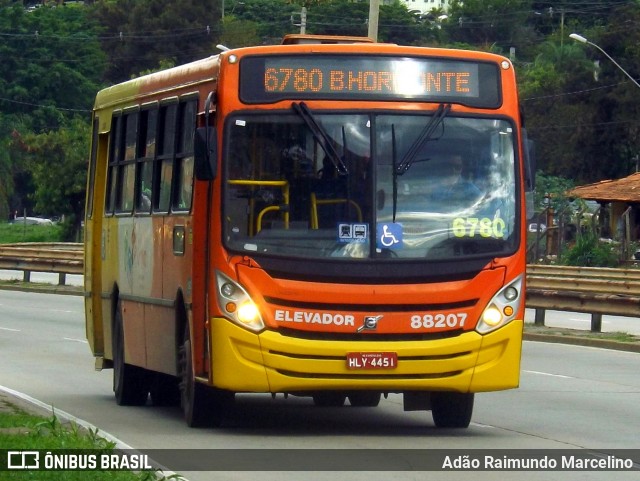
x: 549, y: 374
x: 9, y: 329
x: 84, y: 341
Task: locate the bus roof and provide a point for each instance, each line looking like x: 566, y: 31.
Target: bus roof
x: 183, y: 76
x: 299, y: 38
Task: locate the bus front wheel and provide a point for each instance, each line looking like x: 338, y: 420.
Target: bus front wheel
x: 452, y: 409
x: 201, y: 405
x: 130, y: 383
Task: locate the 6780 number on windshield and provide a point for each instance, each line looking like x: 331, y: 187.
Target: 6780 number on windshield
x: 439, y: 321
x: 480, y: 227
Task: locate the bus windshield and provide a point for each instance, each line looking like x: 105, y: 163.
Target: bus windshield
x: 323, y: 184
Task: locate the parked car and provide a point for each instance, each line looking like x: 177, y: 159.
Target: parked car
x: 31, y: 221
x: 533, y: 227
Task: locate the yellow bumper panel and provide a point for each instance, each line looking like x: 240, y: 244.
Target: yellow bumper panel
x: 271, y: 362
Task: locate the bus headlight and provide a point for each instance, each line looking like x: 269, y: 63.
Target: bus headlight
x: 237, y: 305
x: 502, y: 308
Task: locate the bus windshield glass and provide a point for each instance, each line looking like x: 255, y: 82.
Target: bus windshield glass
x: 313, y: 184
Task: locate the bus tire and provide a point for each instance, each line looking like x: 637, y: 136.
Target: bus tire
x: 202, y: 406
x: 130, y: 383
x: 329, y: 399
x: 452, y: 409
x: 365, y: 399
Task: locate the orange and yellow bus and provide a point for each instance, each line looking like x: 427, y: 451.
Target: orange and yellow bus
x: 330, y: 217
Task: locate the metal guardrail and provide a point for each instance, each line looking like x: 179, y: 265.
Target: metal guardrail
x: 60, y: 257
x: 591, y: 290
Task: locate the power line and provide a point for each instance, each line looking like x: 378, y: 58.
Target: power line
x: 42, y: 105
x: 576, y: 92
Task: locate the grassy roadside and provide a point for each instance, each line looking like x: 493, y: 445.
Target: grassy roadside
x: 21, y: 430
x: 13, y: 233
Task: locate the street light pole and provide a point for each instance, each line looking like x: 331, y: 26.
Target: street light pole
x: 374, y: 8
x: 581, y: 39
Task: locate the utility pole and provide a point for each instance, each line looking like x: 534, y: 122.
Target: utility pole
x: 374, y: 10
x: 303, y: 21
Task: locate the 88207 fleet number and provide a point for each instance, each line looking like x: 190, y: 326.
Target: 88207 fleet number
x: 440, y: 321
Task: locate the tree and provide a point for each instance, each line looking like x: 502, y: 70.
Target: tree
x: 52, y: 66
x: 6, y: 174
x: 554, y: 118
x: 579, y: 106
x: 138, y: 34
x: 488, y: 23
x: 52, y: 63
x: 57, y: 161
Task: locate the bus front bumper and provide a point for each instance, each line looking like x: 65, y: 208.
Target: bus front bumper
x: 242, y: 361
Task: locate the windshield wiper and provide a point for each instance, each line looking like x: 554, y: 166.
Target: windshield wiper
x: 409, y: 157
x: 425, y: 136
x: 321, y: 136
x: 394, y: 158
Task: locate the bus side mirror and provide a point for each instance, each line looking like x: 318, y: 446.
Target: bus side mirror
x: 205, y: 150
x: 529, y: 148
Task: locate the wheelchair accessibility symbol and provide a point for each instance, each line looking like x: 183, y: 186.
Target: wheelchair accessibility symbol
x: 389, y: 236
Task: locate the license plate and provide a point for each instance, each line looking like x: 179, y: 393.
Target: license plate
x: 372, y: 360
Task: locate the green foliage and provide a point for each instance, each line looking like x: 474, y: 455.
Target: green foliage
x: 13, y: 233
x: 51, y: 59
x: 6, y: 174
x: 589, y: 251
x: 28, y: 432
x: 552, y: 189
x: 485, y: 24
x: 58, y: 162
x: 138, y: 34
x: 239, y: 33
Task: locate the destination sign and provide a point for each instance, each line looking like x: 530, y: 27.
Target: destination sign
x: 274, y: 78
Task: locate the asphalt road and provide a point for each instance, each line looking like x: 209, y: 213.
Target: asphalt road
x: 569, y: 320
x: 570, y: 397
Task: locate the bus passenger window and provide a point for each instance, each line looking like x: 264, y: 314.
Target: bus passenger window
x: 166, y: 174
x: 145, y: 193
x: 114, y: 156
x: 147, y: 143
x: 128, y: 183
x: 185, y: 184
x: 164, y: 165
x: 128, y: 169
x: 131, y: 138
x: 184, y: 156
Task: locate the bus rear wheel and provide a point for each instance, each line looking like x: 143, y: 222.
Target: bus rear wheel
x: 130, y: 383
x: 202, y: 406
x: 452, y: 409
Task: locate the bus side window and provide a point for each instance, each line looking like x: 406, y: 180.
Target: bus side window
x: 128, y: 167
x: 92, y: 167
x: 184, y: 157
x: 147, y: 145
x: 164, y: 160
x: 110, y: 192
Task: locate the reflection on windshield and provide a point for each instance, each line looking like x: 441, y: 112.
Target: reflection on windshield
x: 316, y: 185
